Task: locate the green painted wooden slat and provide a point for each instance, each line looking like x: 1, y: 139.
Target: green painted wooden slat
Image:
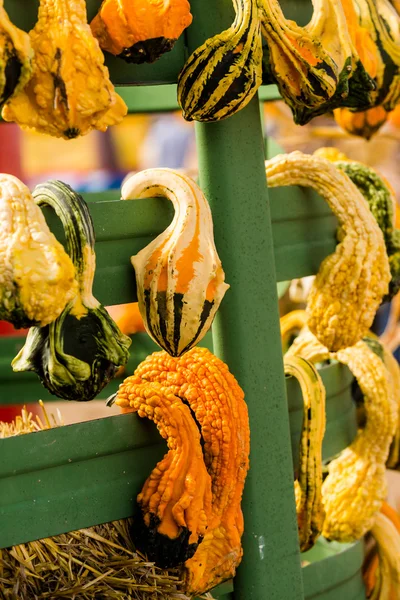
x: 23, y: 388
x: 163, y: 98
x: 302, y: 224
x: 335, y: 571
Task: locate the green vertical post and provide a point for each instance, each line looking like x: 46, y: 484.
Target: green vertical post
x: 246, y: 331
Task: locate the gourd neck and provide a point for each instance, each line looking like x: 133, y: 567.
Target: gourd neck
x: 74, y: 215
x: 247, y: 14
x: 63, y: 11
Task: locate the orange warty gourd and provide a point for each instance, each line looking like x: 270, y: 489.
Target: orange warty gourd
x: 175, y: 503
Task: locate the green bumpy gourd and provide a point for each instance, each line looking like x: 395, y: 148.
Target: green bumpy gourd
x: 79, y: 353
x: 381, y: 202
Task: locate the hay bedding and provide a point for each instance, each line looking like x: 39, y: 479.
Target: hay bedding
x: 95, y: 563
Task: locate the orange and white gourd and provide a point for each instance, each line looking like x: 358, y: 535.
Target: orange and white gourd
x: 179, y: 276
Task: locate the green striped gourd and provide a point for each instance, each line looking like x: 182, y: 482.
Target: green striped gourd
x: 223, y: 74
x: 317, y: 67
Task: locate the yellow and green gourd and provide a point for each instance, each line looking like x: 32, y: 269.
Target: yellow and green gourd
x: 223, y: 74
x: 317, y: 67
x: 78, y: 353
x: 37, y: 277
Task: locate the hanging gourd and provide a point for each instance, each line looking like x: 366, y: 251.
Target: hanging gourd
x: 363, y: 124
x: 224, y: 73
x: 352, y: 281
x: 15, y: 57
x: 142, y: 30
x: 70, y: 92
x: 382, y: 203
x: 382, y: 22
x: 179, y: 277
x: 317, y: 67
x: 355, y: 486
x: 37, y: 277
x: 209, y: 453
x: 291, y: 324
x: 309, y: 506
x: 80, y: 352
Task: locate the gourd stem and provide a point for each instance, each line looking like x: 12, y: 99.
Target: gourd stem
x: 78, y: 227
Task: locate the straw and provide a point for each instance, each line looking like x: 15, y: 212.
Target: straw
x: 95, y: 563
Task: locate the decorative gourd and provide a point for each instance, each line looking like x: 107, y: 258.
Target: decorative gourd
x: 382, y: 203
x: 355, y: 486
x: 291, y: 324
x: 317, y: 67
x: 70, y: 92
x: 140, y: 30
x: 309, y: 506
x: 382, y: 576
x: 363, y: 124
x: 180, y: 280
x: 394, y: 372
x: 382, y: 22
x: 15, y: 57
x: 79, y: 353
x: 352, y: 281
x: 37, y: 277
x: 223, y: 74
x: 216, y: 403
x: 175, y: 502
x: 300, y: 288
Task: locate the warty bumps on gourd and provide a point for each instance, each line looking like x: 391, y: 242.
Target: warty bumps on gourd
x: 70, y: 92
x: 352, y: 281
x: 172, y: 513
x: 37, y: 277
x: 382, y: 203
